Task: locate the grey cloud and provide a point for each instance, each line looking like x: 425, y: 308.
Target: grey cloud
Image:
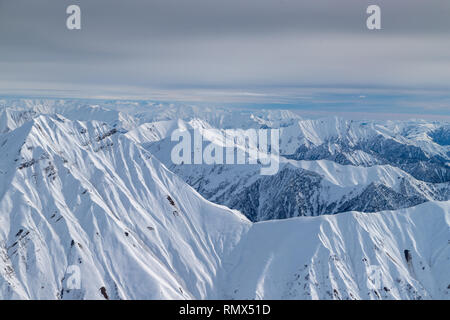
x: 140, y: 46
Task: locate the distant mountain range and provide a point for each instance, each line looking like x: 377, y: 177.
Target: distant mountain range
x: 327, y: 166
x: 358, y: 209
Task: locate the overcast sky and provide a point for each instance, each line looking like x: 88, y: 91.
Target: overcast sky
x: 306, y: 53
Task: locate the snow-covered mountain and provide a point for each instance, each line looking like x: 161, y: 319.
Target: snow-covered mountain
x: 401, y: 254
x: 417, y: 147
x: 129, y: 114
x: 391, y: 164
x: 14, y: 113
x: 78, y: 193
x: 313, y: 186
x: 92, y: 187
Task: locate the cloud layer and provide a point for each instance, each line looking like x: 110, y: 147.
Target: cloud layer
x: 221, y: 50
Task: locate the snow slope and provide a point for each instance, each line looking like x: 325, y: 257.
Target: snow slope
x: 333, y: 257
x: 76, y: 193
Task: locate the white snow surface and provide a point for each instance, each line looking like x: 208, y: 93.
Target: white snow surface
x: 332, y: 257
x: 103, y: 206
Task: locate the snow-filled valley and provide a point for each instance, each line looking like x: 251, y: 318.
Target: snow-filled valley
x: 358, y: 210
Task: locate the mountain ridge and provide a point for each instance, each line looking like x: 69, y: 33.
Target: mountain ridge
x: 89, y: 194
